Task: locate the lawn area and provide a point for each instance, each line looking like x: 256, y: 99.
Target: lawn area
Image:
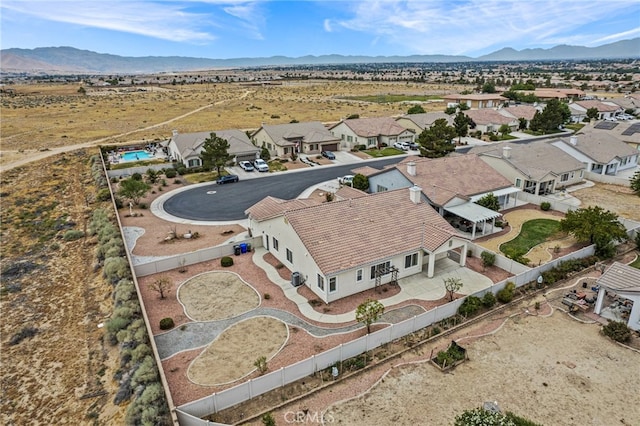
x: 384, y: 152
x: 533, y: 232
x: 636, y: 263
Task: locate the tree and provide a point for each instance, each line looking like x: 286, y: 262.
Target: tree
x: 152, y: 176
x: 504, y: 130
x: 522, y: 123
x: 416, y: 109
x: 554, y: 114
x: 461, y: 125
x: 488, y: 259
x: 435, y: 142
x: 635, y: 183
x: 161, y: 286
x: 596, y: 226
x: 368, y: 312
x: 360, y: 182
x: 489, y: 201
x: 592, y: 113
x: 452, y: 285
x: 264, y: 153
x: 133, y: 189
x: 489, y: 87
x: 215, y: 152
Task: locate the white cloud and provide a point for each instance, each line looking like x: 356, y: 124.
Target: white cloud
x: 463, y: 27
x: 327, y: 25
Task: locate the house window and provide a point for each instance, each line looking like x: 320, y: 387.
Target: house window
x: 371, y: 141
x: 332, y: 284
x: 384, y: 268
x: 320, y: 282
x: 518, y: 183
x: 410, y: 260
x: 195, y: 162
x: 581, y: 173
x: 564, y: 177
x: 275, y: 244
x: 286, y: 151
x: 381, y: 188
x: 450, y: 243
x: 359, y: 275
x: 289, y: 256
x: 349, y: 138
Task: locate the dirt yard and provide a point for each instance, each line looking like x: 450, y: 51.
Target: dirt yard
x: 615, y: 198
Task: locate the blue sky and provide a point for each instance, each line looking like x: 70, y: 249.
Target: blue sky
x: 237, y: 28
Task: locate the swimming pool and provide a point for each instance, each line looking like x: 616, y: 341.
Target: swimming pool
x: 136, y: 156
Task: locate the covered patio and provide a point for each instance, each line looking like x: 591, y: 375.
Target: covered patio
x: 621, y: 283
x: 471, y: 218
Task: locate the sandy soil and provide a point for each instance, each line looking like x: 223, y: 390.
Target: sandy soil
x: 233, y: 354
x: 217, y: 295
x: 618, y: 199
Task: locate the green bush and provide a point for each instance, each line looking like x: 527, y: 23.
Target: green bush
x: 73, y: 234
x: 226, y: 261
x: 488, y: 300
x: 545, y: 205
x: 617, y: 331
x: 166, y: 324
x: 488, y: 258
x: 506, y: 294
x: 470, y: 306
x: 136, y: 176
x: 170, y: 173
x: 104, y: 194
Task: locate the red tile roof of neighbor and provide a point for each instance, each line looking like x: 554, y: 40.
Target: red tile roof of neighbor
x: 600, y: 106
x: 270, y: 207
x: 370, y: 127
x: 488, y: 116
x: 342, y: 235
x: 442, y: 179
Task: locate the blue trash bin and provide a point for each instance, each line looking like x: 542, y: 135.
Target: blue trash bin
x: 243, y: 247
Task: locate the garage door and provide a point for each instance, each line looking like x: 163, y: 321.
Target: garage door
x: 330, y: 147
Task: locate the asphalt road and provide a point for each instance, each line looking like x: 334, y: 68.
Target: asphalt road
x: 229, y: 202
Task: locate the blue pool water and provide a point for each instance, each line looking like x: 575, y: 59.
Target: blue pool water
x: 136, y: 155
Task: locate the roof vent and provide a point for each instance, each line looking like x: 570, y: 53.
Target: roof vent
x: 506, y: 151
x: 414, y: 194
x: 411, y: 168
x: 573, y: 140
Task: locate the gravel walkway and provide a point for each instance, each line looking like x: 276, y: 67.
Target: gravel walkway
x: 199, y: 334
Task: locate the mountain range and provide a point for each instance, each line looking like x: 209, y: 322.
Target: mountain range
x: 69, y: 60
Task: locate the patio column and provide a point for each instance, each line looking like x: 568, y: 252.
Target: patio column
x: 473, y: 231
x: 463, y: 255
x: 599, y: 301
x: 432, y: 265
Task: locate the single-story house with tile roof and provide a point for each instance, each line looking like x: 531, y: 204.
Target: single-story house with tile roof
x: 477, y: 100
x: 419, y: 122
x: 282, y: 140
x: 605, y: 109
x: 631, y: 102
x: 536, y: 167
x: 546, y: 94
x: 490, y: 120
x: 371, y: 132
x: 625, y: 131
x: 520, y: 111
x: 186, y: 147
x: 601, y: 153
x: 451, y: 185
x: 624, y: 281
x: 340, y: 248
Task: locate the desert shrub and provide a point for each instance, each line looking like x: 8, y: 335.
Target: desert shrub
x: 261, y: 364
x: 545, y: 205
x: 140, y: 352
x: 136, y: 176
x: 617, y: 331
x: 506, y: 294
x: 166, y: 323
x: 145, y: 373
x: 481, y: 417
x: 149, y: 408
x: 177, y: 181
x: 118, y: 202
x: 143, y: 206
x: 488, y: 300
x: 226, y: 261
x: 124, y: 291
x: 25, y: 333
x: 268, y: 420
x: 115, y: 269
x: 488, y: 258
x: 470, y: 306
x: 267, y: 296
x: 104, y: 194
x: 73, y: 234
x: 182, y: 170
x: 453, y: 354
x: 170, y: 173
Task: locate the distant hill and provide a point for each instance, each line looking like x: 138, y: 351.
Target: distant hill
x: 63, y: 60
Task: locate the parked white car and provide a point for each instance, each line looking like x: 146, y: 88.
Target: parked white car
x: 261, y: 165
x: 401, y: 145
x: 246, y: 166
x: 345, y: 180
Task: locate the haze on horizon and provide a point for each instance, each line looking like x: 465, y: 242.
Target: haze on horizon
x: 224, y: 29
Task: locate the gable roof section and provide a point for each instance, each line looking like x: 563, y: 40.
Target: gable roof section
x: 521, y: 111
x: 356, y: 232
x: 190, y: 144
x: 373, y: 127
x: 600, y: 146
x: 289, y: 133
x: 488, y: 116
x: 270, y: 207
x: 443, y: 179
x: 425, y: 120
x: 621, y: 277
x: 534, y: 159
x: 600, y: 106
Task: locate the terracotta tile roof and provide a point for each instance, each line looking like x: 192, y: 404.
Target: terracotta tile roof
x: 191, y: 143
x: 600, y: 106
x: 361, y: 231
x: 347, y: 192
x: 426, y: 119
x: 442, y: 179
x: 521, y: 111
x: 488, y: 116
x: 309, y: 132
x: 601, y: 147
x: 369, y: 127
x: 365, y: 171
x: 271, y: 207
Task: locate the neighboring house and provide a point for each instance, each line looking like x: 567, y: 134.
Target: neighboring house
x: 601, y: 153
x: 605, y: 110
x: 631, y: 102
x: 624, y: 281
x: 419, y: 122
x: 451, y: 185
x: 371, y: 132
x: 478, y: 100
x: 282, y: 140
x: 560, y: 94
x: 520, y: 111
x: 535, y: 167
x: 186, y: 147
x: 626, y: 131
x: 340, y: 248
x: 490, y: 120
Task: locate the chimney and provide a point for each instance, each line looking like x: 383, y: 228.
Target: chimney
x: 506, y: 151
x: 411, y: 168
x: 415, y: 194
x: 175, y: 133
x: 573, y: 140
